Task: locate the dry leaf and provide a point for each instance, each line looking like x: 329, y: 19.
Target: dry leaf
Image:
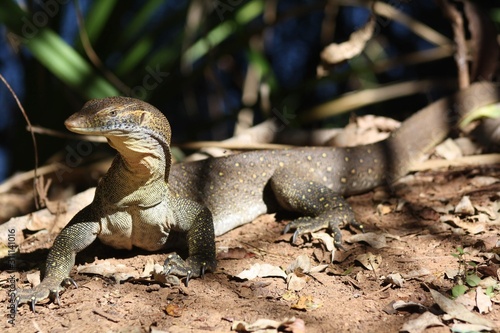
x: 482, y: 181
x: 448, y: 150
x: 306, y: 303
x: 295, y: 283
x: 377, y: 241
x: 302, y: 264
x: 173, y: 310
x: 319, y: 268
x: 465, y: 206
x: 261, y: 270
x: 364, y: 130
x: 421, y: 323
x: 336, y: 53
x: 148, y: 268
x: 395, y: 279
x: 369, y: 260
x: 489, y: 281
x: 451, y: 273
x: 455, y: 221
x: 324, y: 238
x: 56, y: 207
x: 483, y: 301
x: 383, y: 209
x: 428, y: 213
x: 45, y: 219
x: 118, y: 272
x: 289, y: 295
x: 33, y: 278
x: 467, y: 300
x: 267, y: 325
x: 468, y: 328
x: 458, y: 311
x: 409, y: 306
x: 471, y: 228
x: 416, y: 273
x: 234, y: 253
x: 450, y: 218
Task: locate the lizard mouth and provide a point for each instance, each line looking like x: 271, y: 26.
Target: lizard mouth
x: 78, y: 124
x: 76, y: 127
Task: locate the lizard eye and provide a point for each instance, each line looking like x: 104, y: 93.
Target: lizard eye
x: 112, y: 113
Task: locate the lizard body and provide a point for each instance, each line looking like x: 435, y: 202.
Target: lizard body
x: 143, y: 197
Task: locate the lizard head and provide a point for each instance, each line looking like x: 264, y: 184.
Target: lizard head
x: 137, y: 130
x: 119, y: 116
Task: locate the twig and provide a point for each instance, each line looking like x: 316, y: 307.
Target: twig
x: 92, y: 55
x: 30, y: 127
x: 417, y: 27
x: 59, y: 134
x: 457, y: 23
x: 32, y: 174
x: 485, y: 159
x: 231, y: 145
x: 358, y: 99
x: 109, y: 317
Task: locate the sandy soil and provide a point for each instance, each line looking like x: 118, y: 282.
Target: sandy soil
x: 344, y: 297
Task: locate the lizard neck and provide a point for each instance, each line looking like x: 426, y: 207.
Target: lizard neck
x: 138, y: 174
x: 144, y: 158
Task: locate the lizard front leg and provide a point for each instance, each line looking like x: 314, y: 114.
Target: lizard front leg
x: 196, y: 220
x: 80, y: 232
x: 322, y: 207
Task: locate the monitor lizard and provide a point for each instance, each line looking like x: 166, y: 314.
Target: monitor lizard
x: 144, y: 196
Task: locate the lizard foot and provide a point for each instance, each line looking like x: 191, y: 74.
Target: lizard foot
x: 194, y: 266
x: 332, y: 221
x: 48, y: 288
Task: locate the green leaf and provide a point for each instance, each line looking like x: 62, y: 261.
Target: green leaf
x: 54, y: 53
x: 348, y: 271
x: 98, y: 16
x: 224, y: 30
x: 472, y: 280
x: 489, y: 111
x: 458, y: 290
x: 489, y: 291
x: 140, y: 20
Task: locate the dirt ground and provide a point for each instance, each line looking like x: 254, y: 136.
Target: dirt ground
x: 344, y: 297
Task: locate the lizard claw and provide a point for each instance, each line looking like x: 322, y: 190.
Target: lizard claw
x: 33, y: 303
x: 287, y: 229
x: 48, y: 288
x: 194, y: 266
x: 69, y: 280
x: 188, y: 276
x: 295, y: 235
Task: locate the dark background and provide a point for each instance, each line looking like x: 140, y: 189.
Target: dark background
x: 202, y: 97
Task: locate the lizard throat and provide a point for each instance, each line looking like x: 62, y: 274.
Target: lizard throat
x: 143, y: 157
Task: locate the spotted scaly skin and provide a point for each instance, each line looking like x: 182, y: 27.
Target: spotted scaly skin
x: 143, y: 197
